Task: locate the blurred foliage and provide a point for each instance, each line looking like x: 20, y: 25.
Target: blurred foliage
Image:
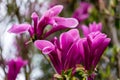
x: 47, y: 70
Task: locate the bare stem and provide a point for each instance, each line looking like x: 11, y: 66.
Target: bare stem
x: 49, y: 62
x: 111, y: 24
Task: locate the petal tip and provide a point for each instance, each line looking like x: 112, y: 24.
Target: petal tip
x: 45, y: 46
x: 34, y: 15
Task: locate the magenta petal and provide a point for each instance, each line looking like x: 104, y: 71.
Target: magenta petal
x: 14, y: 67
x: 81, y: 51
x: 95, y: 27
x: 54, y: 11
x: 56, y: 61
x: 85, y: 30
x: 99, y: 26
x: 82, y: 12
x: 66, y: 40
x: 75, y: 54
x: 95, y: 39
x: 100, y: 51
x: 21, y: 28
x: 60, y: 23
x: 94, y: 46
x: 83, y: 17
x: 34, y: 15
x: 86, y: 54
x: 71, y: 57
x: 74, y: 33
x: 66, y: 22
x: 31, y: 31
x: 44, y: 45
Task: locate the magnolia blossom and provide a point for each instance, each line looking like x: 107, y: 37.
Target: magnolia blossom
x: 71, y: 50
x: 14, y: 67
x: 50, y: 17
x: 94, y: 27
x: 63, y: 53
x: 94, y: 45
x: 82, y: 12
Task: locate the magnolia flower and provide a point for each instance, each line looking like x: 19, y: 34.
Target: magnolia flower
x: 14, y: 67
x: 63, y: 53
x: 50, y: 17
x: 71, y: 50
x: 94, y: 45
x: 94, y: 27
x: 82, y: 12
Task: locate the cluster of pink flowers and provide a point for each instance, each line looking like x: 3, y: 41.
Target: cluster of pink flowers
x: 69, y: 49
x: 50, y: 17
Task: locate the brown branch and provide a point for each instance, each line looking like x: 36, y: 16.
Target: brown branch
x: 2, y: 63
x: 113, y: 30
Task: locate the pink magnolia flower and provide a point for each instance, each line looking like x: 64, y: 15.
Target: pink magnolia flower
x: 50, y: 17
x: 14, y: 67
x: 71, y: 50
x: 63, y: 53
x: 94, y: 27
x: 82, y: 12
x: 94, y: 45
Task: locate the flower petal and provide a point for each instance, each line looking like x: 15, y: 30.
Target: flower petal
x: 100, y: 50
x: 44, y: 45
x: 86, y: 54
x: 95, y: 27
x: 71, y: 57
x: 54, y: 57
x: 21, y: 28
x: 74, y: 33
x: 66, y: 40
x: 34, y: 16
x: 60, y: 23
x: 66, y: 22
x: 82, y: 12
x: 95, y: 39
x: 85, y: 30
x: 54, y: 11
x: 14, y: 67
x: 47, y: 18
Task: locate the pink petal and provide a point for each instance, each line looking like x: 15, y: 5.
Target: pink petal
x: 95, y: 27
x: 71, y: 57
x: 21, y: 28
x: 66, y: 40
x: 66, y: 22
x: 14, y: 67
x: 60, y: 23
x: 74, y: 33
x: 85, y: 30
x: 44, y: 45
x: 34, y: 15
x: 54, y: 11
x: 100, y: 51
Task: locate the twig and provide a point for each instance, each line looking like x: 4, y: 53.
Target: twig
x: 48, y: 60
x: 2, y: 60
x: 111, y: 25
